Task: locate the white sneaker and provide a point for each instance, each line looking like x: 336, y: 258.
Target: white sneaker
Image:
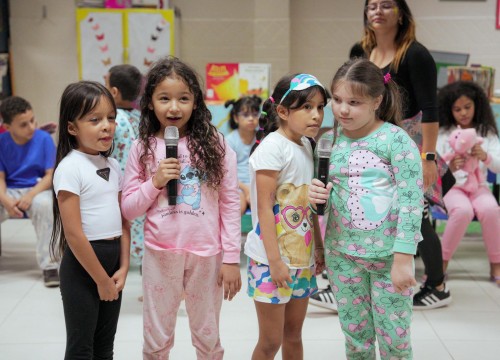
x: 325, y: 299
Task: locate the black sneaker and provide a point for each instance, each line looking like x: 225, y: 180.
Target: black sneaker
x: 325, y: 299
x: 431, y: 298
x: 51, y: 278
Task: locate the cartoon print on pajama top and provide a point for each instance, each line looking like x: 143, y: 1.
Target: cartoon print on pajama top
x: 190, y: 187
x: 374, y: 210
x: 369, y: 202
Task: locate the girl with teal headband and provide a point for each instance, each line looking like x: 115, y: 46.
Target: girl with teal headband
x: 284, y: 248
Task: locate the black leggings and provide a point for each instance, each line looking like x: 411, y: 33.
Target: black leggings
x: 430, y: 251
x: 90, y: 323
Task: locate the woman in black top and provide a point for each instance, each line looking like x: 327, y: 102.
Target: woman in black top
x: 389, y: 42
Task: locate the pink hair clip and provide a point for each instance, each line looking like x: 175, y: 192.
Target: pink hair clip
x: 272, y: 99
x: 387, y: 78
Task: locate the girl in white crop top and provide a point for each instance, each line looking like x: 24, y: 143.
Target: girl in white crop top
x: 88, y: 232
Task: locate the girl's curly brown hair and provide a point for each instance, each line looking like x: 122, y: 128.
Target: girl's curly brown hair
x: 206, y: 150
x: 483, y: 120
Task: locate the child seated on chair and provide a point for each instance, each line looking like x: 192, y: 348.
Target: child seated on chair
x: 27, y: 158
x: 464, y: 104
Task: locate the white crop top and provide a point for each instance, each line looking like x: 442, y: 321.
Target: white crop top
x: 85, y: 175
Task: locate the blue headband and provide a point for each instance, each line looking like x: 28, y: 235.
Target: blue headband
x: 302, y: 82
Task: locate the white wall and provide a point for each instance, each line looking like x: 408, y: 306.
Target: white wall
x: 44, y: 52
x: 293, y: 35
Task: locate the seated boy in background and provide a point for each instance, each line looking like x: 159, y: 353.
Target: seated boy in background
x: 27, y: 157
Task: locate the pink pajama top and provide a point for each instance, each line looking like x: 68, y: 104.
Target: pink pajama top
x: 203, y: 222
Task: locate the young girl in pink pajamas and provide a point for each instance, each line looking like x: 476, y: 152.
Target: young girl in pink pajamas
x: 465, y: 104
x: 192, y: 249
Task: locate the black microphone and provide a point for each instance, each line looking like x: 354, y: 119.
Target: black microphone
x: 324, y: 151
x: 171, y: 136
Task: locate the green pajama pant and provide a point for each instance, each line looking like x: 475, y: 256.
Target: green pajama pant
x: 369, y: 308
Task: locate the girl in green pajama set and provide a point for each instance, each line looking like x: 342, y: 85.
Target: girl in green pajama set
x: 374, y: 199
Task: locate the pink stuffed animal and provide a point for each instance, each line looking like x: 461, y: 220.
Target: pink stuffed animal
x: 462, y: 141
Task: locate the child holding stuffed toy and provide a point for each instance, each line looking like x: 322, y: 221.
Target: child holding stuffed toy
x: 465, y: 117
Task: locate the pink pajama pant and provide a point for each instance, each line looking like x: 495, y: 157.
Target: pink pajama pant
x: 168, y: 276
x: 462, y: 207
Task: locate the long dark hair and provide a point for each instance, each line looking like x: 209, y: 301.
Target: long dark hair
x: 367, y: 80
x: 404, y: 37
x: 206, y: 151
x: 249, y: 103
x: 77, y: 100
x: 269, y: 120
x: 483, y: 120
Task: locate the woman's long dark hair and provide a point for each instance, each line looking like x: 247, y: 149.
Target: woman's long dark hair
x: 483, y: 120
x: 206, y: 151
x: 77, y: 100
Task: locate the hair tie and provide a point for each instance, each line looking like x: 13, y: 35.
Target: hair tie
x: 261, y: 129
x: 257, y: 142
x: 272, y: 99
x: 263, y: 113
x: 387, y: 78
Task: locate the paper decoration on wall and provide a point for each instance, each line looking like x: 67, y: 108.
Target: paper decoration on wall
x: 101, y: 44
x: 111, y: 37
x: 149, y: 38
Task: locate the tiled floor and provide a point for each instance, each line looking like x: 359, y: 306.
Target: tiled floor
x: 32, y: 324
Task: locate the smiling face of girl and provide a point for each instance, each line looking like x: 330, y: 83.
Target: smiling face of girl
x: 173, y: 103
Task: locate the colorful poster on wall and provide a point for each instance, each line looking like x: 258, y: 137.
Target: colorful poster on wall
x: 108, y: 37
x: 254, y: 79
x: 226, y: 81
x: 223, y: 82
